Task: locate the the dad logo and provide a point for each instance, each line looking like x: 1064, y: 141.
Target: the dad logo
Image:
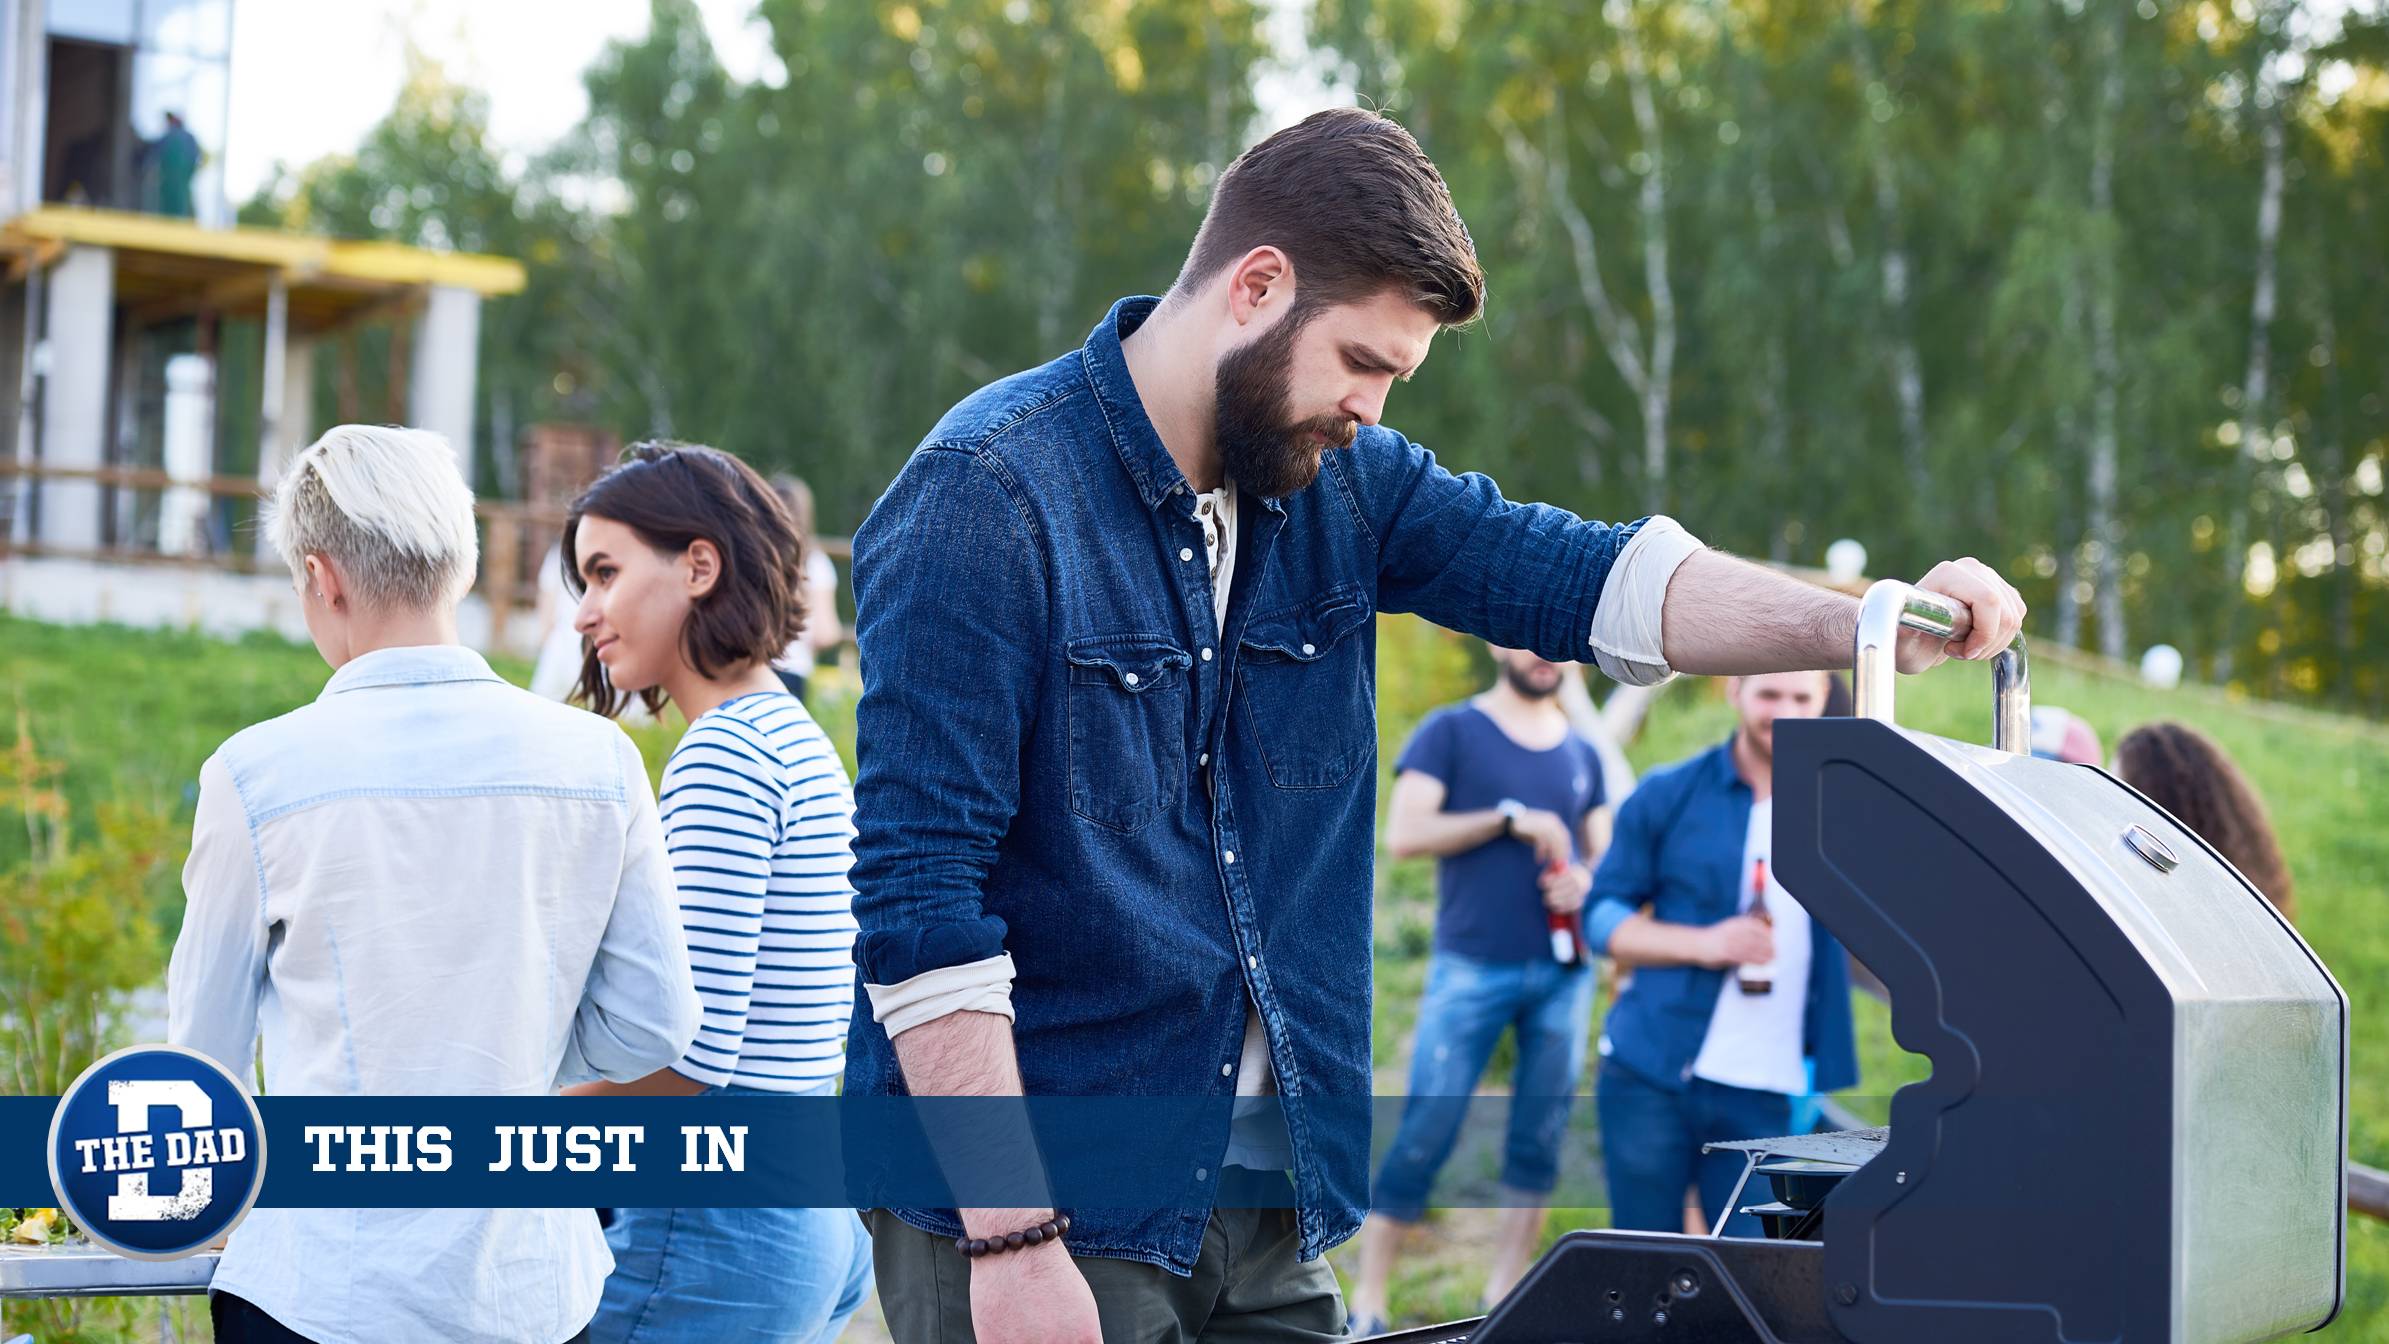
x: 156, y: 1151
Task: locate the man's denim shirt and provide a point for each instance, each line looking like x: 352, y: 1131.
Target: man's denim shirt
x: 1677, y: 848
x: 1059, y: 759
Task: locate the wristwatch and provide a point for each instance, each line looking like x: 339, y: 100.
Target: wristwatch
x: 1510, y: 809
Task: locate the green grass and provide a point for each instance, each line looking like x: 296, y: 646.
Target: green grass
x: 132, y: 714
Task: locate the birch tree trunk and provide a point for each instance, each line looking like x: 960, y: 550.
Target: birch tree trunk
x: 2105, y: 536
x: 1907, y: 367
x: 2254, y: 385
x: 1652, y: 203
x: 1047, y: 203
x: 1646, y: 367
x: 1775, y: 363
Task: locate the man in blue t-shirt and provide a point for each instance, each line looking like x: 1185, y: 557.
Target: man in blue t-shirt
x: 1508, y: 799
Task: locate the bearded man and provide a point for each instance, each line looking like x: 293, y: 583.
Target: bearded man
x: 1116, y: 750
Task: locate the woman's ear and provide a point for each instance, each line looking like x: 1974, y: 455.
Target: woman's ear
x: 323, y: 579
x: 703, y: 562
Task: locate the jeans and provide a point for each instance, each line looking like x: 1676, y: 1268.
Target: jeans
x: 1468, y: 1004
x: 734, y: 1276
x: 1651, y: 1147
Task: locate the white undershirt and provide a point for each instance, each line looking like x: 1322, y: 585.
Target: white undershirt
x: 1257, y: 1138
x: 1756, y: 1040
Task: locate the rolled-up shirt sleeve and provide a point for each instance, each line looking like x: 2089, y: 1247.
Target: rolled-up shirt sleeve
x: 1525, y: 576
x: 952, y: 630
x: 1626, y: 634
x: 973, y: 987
x: 216, y: 978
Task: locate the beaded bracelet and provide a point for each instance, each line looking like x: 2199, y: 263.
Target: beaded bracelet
x: 1049, y: 1230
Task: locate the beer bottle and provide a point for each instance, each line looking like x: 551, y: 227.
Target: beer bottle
x: 1757, y: 979
x: 1567, y: 936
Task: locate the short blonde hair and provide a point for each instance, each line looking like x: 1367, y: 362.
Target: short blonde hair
x: 387, y: 505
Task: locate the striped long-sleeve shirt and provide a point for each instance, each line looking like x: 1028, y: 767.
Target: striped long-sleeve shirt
x: 759, y: 820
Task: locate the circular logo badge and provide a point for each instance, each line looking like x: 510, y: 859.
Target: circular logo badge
x: 156, y: 1152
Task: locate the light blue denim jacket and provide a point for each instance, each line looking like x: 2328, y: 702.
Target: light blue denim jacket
x: 429, y: 883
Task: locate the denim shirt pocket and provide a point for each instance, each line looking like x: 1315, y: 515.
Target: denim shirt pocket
x: 1308, y: 694
x: 1127, y: 728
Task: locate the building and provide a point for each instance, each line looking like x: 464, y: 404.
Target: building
x: 118, y: 266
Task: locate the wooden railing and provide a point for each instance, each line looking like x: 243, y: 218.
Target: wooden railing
x: 515, y: 536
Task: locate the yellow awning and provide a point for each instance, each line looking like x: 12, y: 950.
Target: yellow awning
x: 168, y: 268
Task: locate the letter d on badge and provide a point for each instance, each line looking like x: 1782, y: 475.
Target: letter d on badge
x: 132, y: 1202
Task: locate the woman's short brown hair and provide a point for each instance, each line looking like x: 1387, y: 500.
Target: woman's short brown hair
x: 1356, y: 205
x: 674, y: 494
x: 2183, y: 771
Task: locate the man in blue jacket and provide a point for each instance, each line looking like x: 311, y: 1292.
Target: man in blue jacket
x: 1735, y: 992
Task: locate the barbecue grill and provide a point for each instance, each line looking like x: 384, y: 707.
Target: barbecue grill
x: 2135, y: 1128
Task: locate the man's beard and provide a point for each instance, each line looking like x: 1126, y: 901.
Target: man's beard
x: 1518, y: 679
x: 1257, y: 448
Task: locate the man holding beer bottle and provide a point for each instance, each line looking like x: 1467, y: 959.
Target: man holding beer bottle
x: 1736, y: 995
x: 1507, y: 798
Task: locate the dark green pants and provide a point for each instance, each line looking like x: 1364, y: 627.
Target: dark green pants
x: 1247, y: 1286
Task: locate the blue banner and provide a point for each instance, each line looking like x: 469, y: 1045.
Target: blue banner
x: 721, y: 1151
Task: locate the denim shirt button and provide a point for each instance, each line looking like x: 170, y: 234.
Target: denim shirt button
x: 1253, y: 962
x: 1186, y: 552
x: 1206, y: 655
x: 1228, y: 854
x: 1202, y: 1173
x: 1227, y: 1070
x: 1309, y: 649
x: 1130, y: 678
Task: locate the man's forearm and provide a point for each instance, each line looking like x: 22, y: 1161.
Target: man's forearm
x: 1440, y: 834
x: 1643, y: 941
x: 1728, y: 617
x: 967, y: 1054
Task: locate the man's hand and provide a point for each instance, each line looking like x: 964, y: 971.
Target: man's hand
x: 1546, y: 833
x: 1030, y: 1296
x: 1744, y: 940
x: 1564, y: 888
x: 1990, y: 612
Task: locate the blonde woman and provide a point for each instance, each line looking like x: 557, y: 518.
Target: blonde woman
x: 425, y: 882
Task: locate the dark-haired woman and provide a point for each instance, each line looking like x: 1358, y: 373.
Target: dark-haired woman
x: 2183, y: 771
x: 691, y: 578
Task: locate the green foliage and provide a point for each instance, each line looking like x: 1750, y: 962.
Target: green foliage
x: 925, y: 196
x: 107, y: 1320
x: 77, y: 937
x: 76, y: 933
x: 1805, y: 148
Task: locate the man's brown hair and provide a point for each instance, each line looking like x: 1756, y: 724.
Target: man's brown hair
x: 1357, y: 206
